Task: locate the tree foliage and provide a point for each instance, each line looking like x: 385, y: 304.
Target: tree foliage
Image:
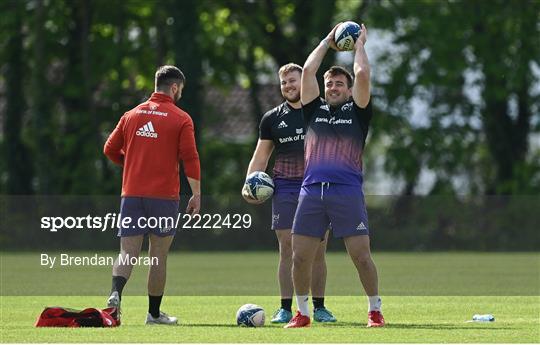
x: 467, y: 71
x: 471, y: 71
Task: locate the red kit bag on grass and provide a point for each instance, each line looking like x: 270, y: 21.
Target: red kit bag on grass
x: 90, y: 317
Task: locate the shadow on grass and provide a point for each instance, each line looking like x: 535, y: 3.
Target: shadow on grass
x: 222, y: 325
x: 432, y: 326
x: 152, y: 327
x: 444, y: 326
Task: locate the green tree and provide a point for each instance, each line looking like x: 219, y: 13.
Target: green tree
x: 188, y: 55
x: 18, y: 164
x: 470, y: 63
x: 41, y: 108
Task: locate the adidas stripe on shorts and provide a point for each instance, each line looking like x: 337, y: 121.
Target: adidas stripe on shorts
x: 323, y: 203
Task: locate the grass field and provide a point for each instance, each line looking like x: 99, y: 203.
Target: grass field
x: 210, y: 319
x: 427, y: 298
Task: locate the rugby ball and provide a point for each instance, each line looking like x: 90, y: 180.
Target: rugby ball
x: 346, y: 35
x: 250, y: 315
x: 260, y: 185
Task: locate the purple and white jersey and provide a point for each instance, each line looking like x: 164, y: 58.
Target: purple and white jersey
x: 334, y: 142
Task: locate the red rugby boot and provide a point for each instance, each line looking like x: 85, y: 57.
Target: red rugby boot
x: 375, y: 319
x: 298, y: 321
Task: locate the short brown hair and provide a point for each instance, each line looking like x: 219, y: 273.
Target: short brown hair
x: 290, y: 67
x: 168, y: 75
x: 338, y: 70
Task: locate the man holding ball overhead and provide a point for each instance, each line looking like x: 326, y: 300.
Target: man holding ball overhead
x: 282, y: 128
x: 331, y: 192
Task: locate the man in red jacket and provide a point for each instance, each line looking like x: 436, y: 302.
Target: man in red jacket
x: 149, y: 142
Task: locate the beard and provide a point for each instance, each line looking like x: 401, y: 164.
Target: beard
x: 176, y: 97
x: 336, y: 101
x: 293, y: 99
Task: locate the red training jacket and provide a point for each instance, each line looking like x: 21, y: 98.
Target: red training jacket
x: 149, y: 142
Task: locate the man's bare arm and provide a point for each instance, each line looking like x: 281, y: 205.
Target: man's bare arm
x: 362, y: 74
x: 258, y: 162
x: 310, y: 88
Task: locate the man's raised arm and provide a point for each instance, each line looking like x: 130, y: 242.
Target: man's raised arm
x: 310, y: 88
x: 362, y: 86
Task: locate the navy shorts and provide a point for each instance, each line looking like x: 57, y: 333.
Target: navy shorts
x: 323, y: 203
x: 284, y: 203
x: 148, y: 215
x: 283, y: 210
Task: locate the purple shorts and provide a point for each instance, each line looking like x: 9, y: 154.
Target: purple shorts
x: 323, y: 203
x: 148, y: 215
x: 283, y: 210
x: 284, y: 203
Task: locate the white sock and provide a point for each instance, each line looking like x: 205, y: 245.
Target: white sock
x: 302, y: 302
x: 375, y: 303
